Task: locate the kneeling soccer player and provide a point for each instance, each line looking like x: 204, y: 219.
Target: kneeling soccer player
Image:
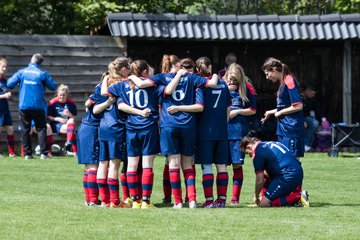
x: 284, y: 171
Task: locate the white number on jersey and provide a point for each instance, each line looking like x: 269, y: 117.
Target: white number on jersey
x: 279, y: 146
x: 137, y: 98
x: 178, y: 95
x: 218, y: 93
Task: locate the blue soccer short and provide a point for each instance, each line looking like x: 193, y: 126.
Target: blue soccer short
x: 295, y: 145
x: 236, y: 156
x: 5, y: 119
x: 177, y: 140
x: 282, y: 186
x: 88, y: 144
x: 110, y: 150
x: 212, y: 151
x: 143, y: 142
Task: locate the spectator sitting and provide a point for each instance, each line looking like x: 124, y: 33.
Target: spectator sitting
x: 61, y: 113
x: 323, y: 137
x: 310, y: 122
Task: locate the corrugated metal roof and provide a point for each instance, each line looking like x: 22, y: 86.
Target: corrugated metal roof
x: 232, y: 27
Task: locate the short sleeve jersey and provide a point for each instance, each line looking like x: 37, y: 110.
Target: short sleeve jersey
x: 139, y: 98
x: 184, y: 94
x: 275, y: 158
x: 4, y: 106
x: 90, y: 118
x: 290, y: 125
x: 56, y: 108
x: 238, y: 127
x: 212, y: 124
x: 112, y: 124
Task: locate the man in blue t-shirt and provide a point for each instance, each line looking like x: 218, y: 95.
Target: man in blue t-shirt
x: 274, y: 161
x: 32, y: 81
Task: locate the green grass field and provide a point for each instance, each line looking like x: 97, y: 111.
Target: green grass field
x: 44, y: 200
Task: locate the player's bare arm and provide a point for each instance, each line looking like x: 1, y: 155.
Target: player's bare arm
x: 289, y: 110
x: 213, y: 81
x: 267, y: 114
x: 174, y: 82
x: 131, y: 110
x: 99, y: 108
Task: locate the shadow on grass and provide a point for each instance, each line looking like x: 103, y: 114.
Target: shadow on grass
x: 335, y: 204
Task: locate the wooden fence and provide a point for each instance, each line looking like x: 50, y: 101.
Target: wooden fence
x: 77, y: 61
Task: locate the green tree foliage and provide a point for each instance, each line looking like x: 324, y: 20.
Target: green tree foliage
x: 86, y: 16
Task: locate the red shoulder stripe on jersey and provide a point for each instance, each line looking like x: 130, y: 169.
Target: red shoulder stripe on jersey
x: 201, y: 104
x: 93, y: 102
x: 251, y: 88
x: 71, y: 101
x: 297, y: 103
x: 289, y: 81
x: 153, y: 83
x: 54, y: 100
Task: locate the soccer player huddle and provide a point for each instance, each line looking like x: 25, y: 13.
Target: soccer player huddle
x: 190, y: 116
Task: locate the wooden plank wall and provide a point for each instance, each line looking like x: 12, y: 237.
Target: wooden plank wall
x: 77, y: 61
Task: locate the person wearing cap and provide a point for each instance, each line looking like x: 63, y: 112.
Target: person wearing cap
x: 32, y: 82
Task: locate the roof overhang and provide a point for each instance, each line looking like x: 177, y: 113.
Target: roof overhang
x: 235, y: 27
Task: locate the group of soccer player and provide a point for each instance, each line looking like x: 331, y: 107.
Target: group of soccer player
x: 190, y: 116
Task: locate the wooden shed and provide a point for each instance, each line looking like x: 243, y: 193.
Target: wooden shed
x: 77, y: 61
x: 321, y: 50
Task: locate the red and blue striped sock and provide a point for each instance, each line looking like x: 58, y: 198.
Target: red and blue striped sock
x: 70, y: 133
x: 92, y: 186
x: 147, y: 183
x: 190, y: 184
x: 113, y: 184
x: 208, y: 184
x: 222, y: 180
x: 175, y: 182
x: 265, y: 186
x: 139, y: 184
x: 103, y: 190
x: 132, y: 182
x: 85, y: 186
x: 11, y: 145
x: 237, y: 184
x: 124, y: 186
x: 288, y: 200
x: 166, y: 182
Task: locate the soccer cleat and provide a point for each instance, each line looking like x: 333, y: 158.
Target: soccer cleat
x: 43, y: 157
x: 29, y: 157
x: 166, y: 201
x: 208, y: 205
x: 106, y: 205
x: 220, y: 204
x: 12, y: 155
x: 192, y: 204
x: 93, y: 204
x: 304, y: 199
x: 177, y: 206
x: 234, y: 203
x: 146, y: 205
x: 129, y: 201
x: 119, y: 205
x: 136, y: 205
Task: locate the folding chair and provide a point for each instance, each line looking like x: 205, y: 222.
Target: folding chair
x: 344, y: 135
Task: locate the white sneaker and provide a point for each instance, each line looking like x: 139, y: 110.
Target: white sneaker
x: 43, y: 157
x: 179, y: 205
x: 192, y: 204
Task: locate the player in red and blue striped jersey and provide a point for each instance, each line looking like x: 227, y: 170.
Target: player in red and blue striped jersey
x: 243, y: 105
x: 178, y: 130
x: 212, y: 147
x: 112, y: 135
x: 88, y: 150
x: 289, y: 106
x: 61, y: 113
x: 276, y: 161
x: 5, y: 116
